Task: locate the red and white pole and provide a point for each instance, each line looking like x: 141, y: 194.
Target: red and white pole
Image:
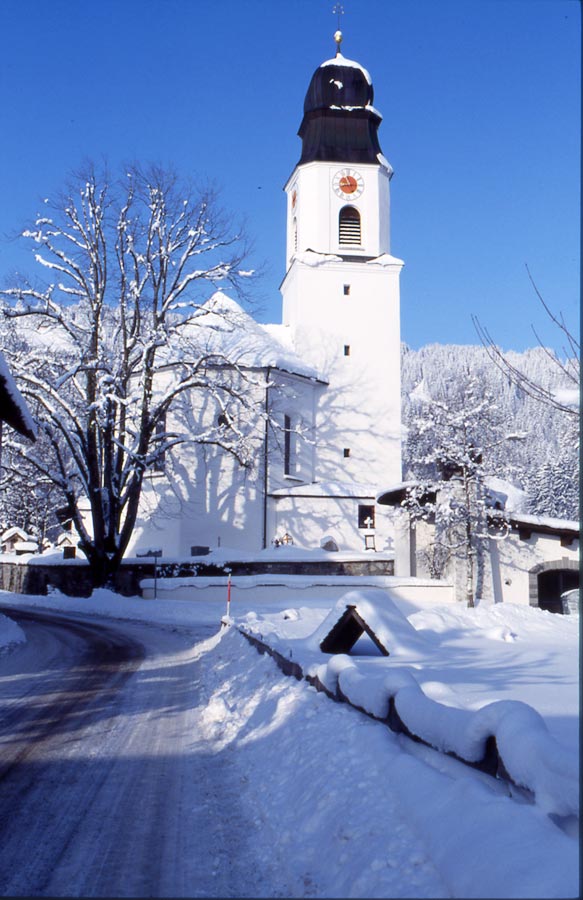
x: 229, y: 594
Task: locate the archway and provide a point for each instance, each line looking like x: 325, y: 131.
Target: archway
x: 548, y: 580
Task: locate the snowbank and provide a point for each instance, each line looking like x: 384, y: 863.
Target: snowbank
x: 10, y: 634
x: 531, y: 757
x: 353, y: 814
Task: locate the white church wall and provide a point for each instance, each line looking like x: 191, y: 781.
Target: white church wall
x: 354, y: 340
x: 508, y: 561
x: 291, y: 431
x: 209, y: 500
x: 204, y: 496
x: 514, y: 558
x: 309, y: 519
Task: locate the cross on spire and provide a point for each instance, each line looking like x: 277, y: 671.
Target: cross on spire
x: 338, y: 11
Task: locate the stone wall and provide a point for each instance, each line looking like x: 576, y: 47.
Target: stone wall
x: 72, y: 577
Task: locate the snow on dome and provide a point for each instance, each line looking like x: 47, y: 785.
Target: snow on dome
x: 340, y: 60
x: 340, y: 83
x: 340, y: 122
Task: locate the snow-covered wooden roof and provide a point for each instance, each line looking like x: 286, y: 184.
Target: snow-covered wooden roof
x: 545, y: 525
x: 13, y: 408
x: 521, y: 522
x: 14, y: 532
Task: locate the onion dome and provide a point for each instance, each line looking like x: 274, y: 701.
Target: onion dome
x: 340, y: 122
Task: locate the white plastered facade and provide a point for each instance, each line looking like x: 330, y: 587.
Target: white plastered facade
x: 513, y: 559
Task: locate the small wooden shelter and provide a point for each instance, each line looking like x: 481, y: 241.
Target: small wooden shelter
x: 346, y: 632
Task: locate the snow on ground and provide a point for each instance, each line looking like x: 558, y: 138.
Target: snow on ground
x: 351, y: 808
x: 11, y: 634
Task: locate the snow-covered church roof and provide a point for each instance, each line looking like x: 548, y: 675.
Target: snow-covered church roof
x: 229, y: 331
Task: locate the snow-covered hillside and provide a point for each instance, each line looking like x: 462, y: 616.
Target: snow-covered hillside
x: 545, y: 463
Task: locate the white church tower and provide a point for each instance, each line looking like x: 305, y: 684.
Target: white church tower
x: 341, y: 288
x: 327, y: 378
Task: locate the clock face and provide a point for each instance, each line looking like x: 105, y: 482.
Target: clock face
x: 348, y: 184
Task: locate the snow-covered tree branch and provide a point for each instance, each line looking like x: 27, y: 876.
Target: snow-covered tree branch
x: 563, y: 394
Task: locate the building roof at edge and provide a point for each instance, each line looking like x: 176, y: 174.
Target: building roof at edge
x: 13, y: 408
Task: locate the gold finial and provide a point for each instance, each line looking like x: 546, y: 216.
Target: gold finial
x: 338, y: 10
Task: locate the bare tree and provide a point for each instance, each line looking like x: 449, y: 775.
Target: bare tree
x: 568, y: 368
x: 118, y: 338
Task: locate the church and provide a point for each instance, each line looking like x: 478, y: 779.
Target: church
x: 326, y: 380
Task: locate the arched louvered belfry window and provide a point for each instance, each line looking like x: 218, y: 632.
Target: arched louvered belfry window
x: 349, y: 226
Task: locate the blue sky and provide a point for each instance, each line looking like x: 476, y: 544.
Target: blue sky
x: 481, y: 123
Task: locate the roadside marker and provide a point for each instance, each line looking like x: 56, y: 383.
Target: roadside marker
x: 229, y: 594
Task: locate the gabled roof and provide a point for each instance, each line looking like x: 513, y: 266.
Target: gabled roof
x: 372, y: 611
x: 15, y: 531
x: 227, y: 330
x: 13, y: 408
x: 346, y: 632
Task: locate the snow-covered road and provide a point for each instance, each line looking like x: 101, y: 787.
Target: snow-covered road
x: 159, y: 757
x: 105, y: 789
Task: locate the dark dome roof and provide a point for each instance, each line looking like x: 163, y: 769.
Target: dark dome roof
x: 339, y: 82
x: 340, y: 123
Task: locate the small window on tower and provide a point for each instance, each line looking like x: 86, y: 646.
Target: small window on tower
x: 346, y: 349
x: 346, y: 452
x: 349, y: 226
x: 346, y: 290
x: 287, y: 446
